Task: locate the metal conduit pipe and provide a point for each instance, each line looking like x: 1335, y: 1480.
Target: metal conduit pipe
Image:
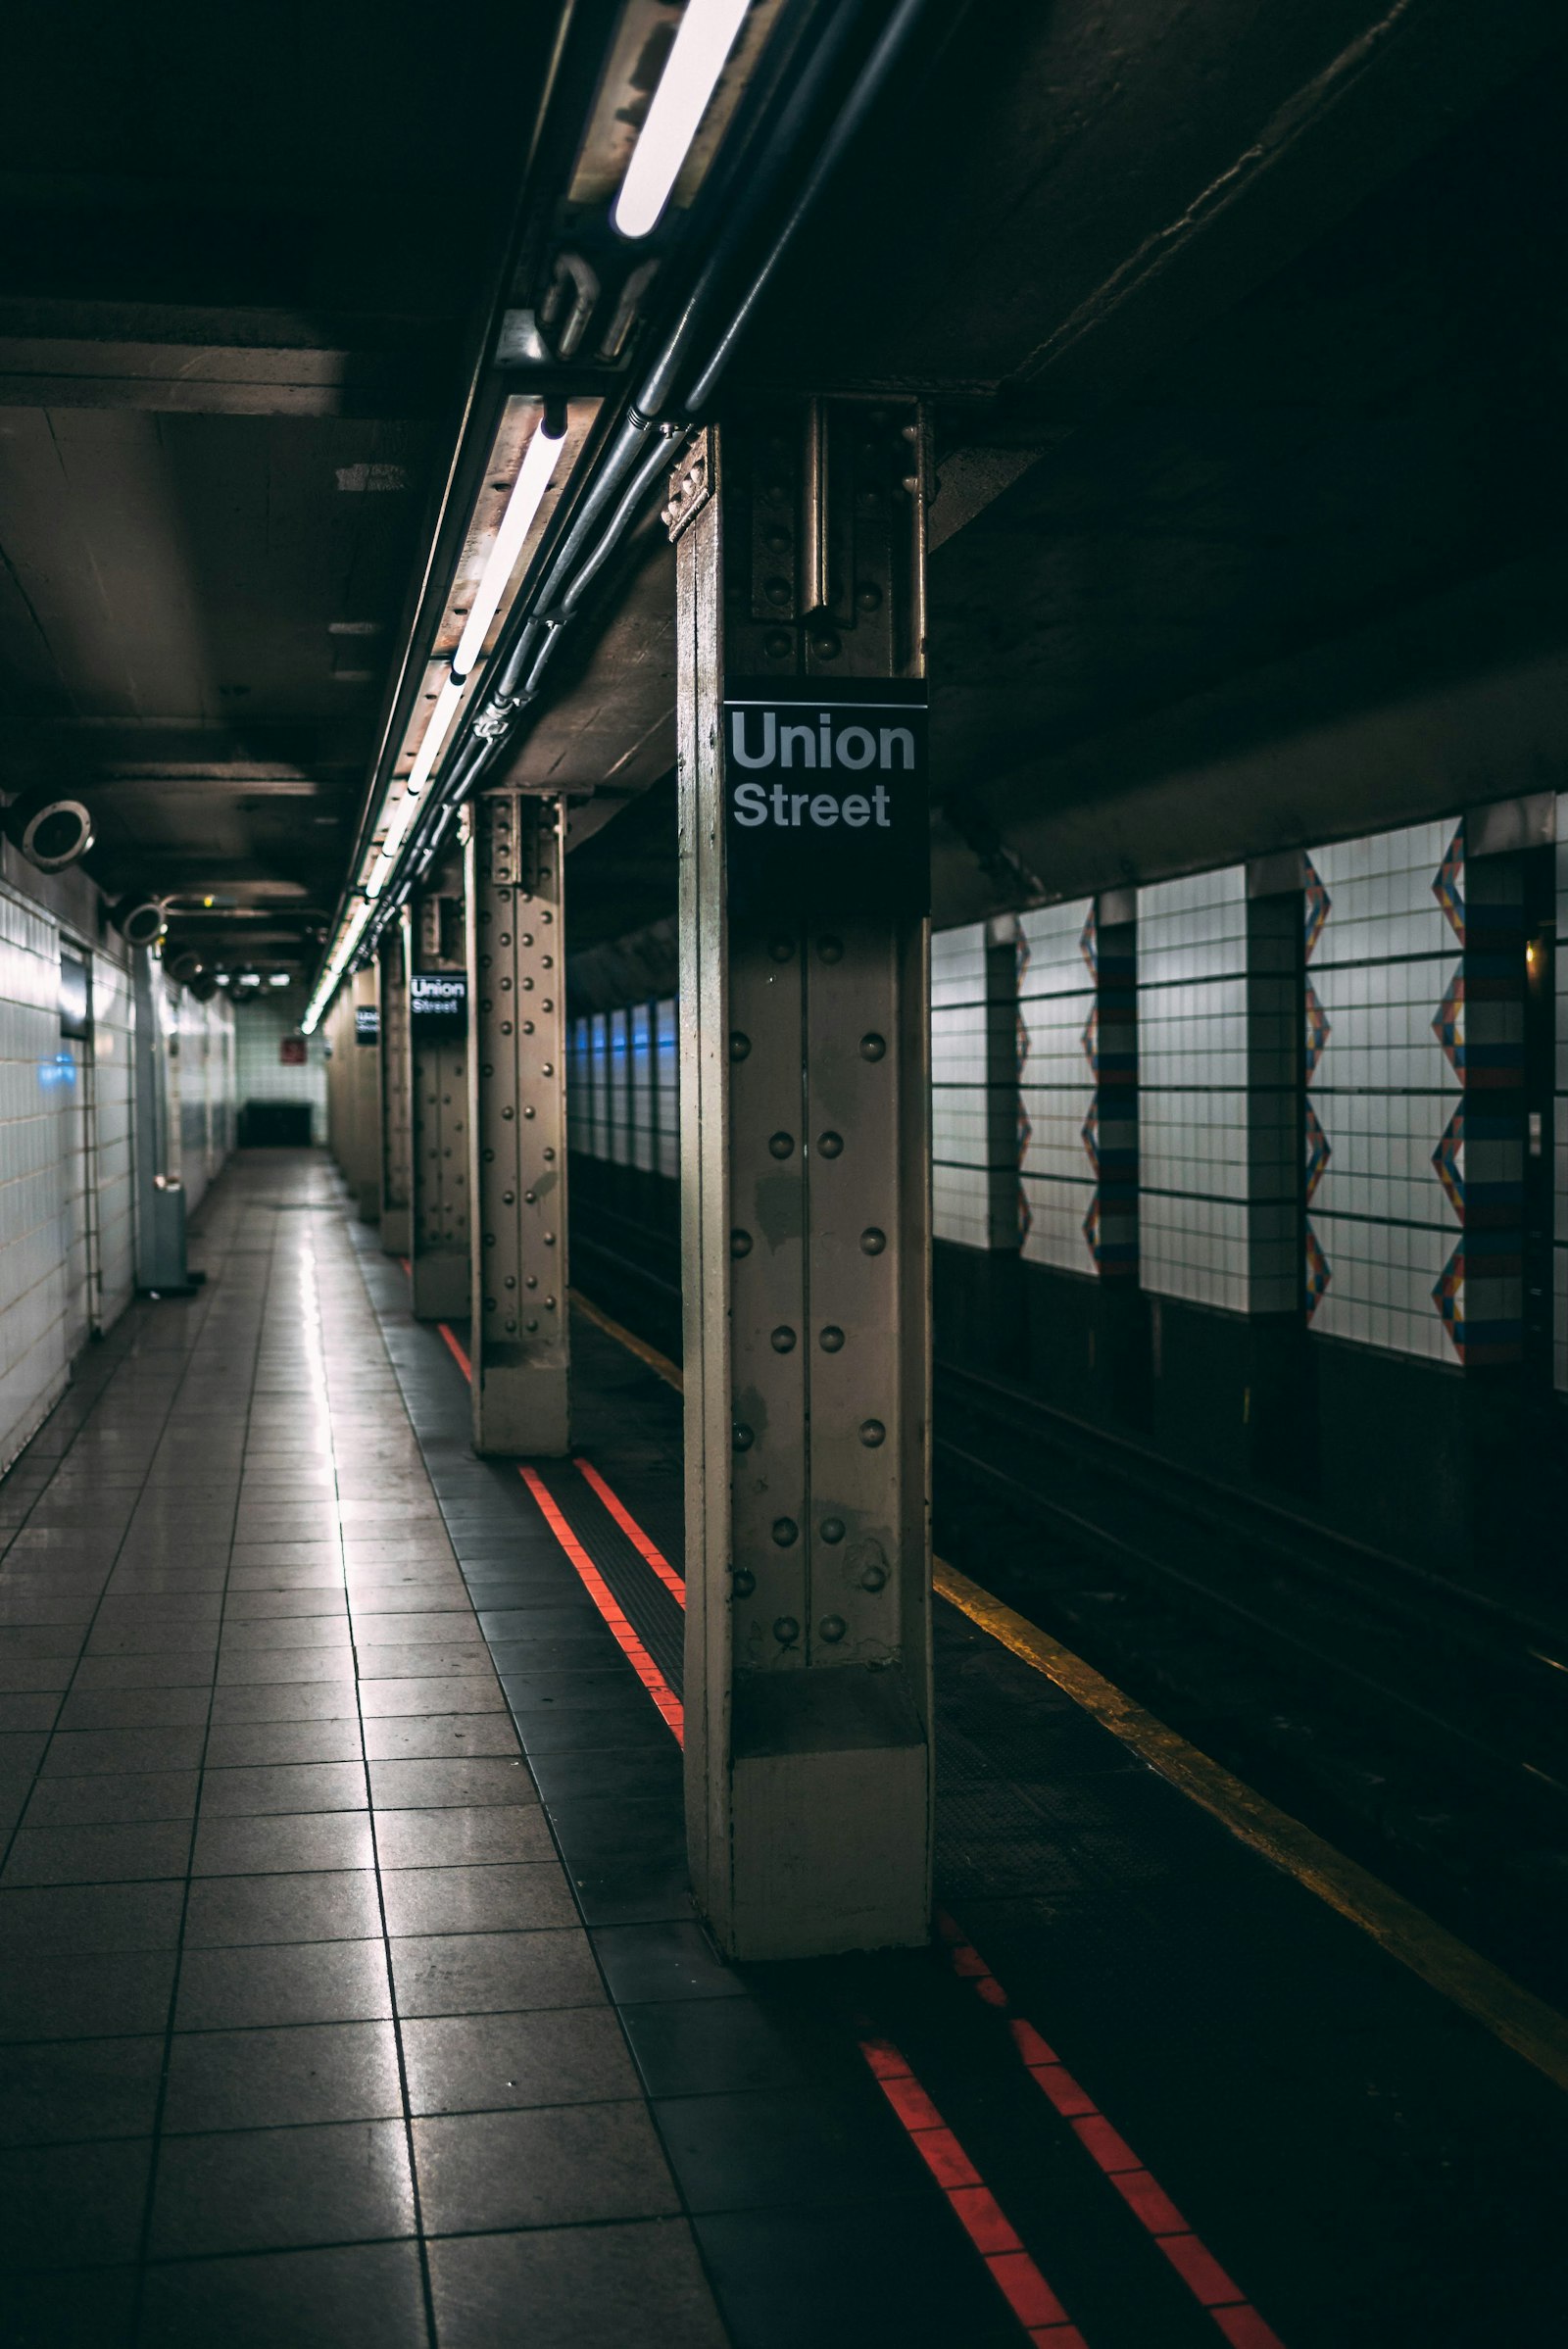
x: 629, y: 465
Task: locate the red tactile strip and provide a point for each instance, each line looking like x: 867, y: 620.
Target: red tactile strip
x: 1013, y: 2271
x: 1214, y: 2291
x: 604, y: 1598
x: 633, y: 1532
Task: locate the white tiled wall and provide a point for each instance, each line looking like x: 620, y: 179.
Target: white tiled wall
x: 260, y: 1074
x: 1195, y: 1227
x: 623, y: 1088
x: 1056, y: 1087
x: 67, y: 1171
x: 974, y: 1147
x: 1384, y: 1090
x: 114, y: 1015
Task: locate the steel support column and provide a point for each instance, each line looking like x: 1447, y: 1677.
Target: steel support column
x: 439, y: 1058
x: 517, y: 1123
x: 806, y: 1184
x: 397, y: 1080
x: 363, y: 1074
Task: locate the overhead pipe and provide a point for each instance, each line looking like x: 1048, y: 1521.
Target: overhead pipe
x: 629, y: 465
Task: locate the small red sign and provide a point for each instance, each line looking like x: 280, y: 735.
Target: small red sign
x: 292, y: 1052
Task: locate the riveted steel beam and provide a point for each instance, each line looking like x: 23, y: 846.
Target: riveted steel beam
x: 804, y: 1146
x: 517, y: 1123
x: 397, y: 1083
x: 439, y: 1056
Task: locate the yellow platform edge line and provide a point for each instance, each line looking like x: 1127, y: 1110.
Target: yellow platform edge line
x: 1512, y: 2013
x: 659, y: 1365
x: 1446, y: 1963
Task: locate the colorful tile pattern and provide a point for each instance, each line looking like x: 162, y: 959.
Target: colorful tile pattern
x: 1448, y: 1161
x: 1447, y: 885
x: 1317, y: 905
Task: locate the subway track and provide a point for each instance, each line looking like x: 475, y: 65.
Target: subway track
x: 1418, y: 1724
x: 1415, y: 1722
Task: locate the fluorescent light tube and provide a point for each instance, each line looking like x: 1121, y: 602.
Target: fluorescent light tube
x: 527, y: 496
x: 435, y: 735
x: 706, y: 35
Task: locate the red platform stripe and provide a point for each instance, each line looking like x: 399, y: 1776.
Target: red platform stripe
x: 1150, y: 2204
x: 1199, y: 2271
x: 1233, y: 2315
x: 599, y: 1590
x: 1013, y: 2270
x: 633, y: 1532
x: 457, y: 1352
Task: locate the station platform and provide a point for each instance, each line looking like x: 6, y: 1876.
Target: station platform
x: 351, y: 1991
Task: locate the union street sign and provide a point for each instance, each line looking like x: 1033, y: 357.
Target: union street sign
x: 825, y: 794
x: 438, y: 1003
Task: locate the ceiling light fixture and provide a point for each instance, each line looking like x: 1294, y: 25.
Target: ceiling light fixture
x: 707, y: 34
x: 527, y: 496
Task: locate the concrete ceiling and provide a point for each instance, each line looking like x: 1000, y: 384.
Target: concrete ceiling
x: 1239, y: 324
x: 242, y: 254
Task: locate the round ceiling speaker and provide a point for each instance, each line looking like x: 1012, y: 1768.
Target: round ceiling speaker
x: 186, y: 968
x: 139, y: 920
x: 50, y: 827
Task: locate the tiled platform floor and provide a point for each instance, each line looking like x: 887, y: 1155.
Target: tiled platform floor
x: 304, y: 2039
x: 351, y: 1991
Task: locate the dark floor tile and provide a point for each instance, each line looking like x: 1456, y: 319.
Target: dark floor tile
x: 98, y: 1855
x: 666, y: 1960
x: 75, y: 1753
x: 103, y: 1799
x: 64, y: 2090
x: 618, y: 1772
x: 240, y: 1987
x: 272, y: 2078
x: 286, y: 1700
x: 477, y: 1974
x: 277, y: 1786
x: 747, y: 2150
x: 364, y: 2296
x: 29, y: 1711
x: 451, y: 1625
x: 144, y: 1672
x: 311, y: 1840
x: 493, y: 2063
x: 92, y: 2309
x: 556, y: 2166
x: 64, y: 2206
x: 187, y: 1641
x: 254, y: 1744
x: 459, y: 1838
x: 233, y: 1911
x: 469, y: 1780
x: 477, y: 1899
x: 607, y: 1687
x: 473, y: 1692
x: 588, y: 1650
x: 133, y: 1708
x: 708, y: 2046
x: 601, y: 2288
x: 441, y: 1736
x: 280, y: 1631
x: 636, y: 1725
x: 37, y: 1675
x: 895, y: 2272
x: 240, y: 1668
x: 626, y: 1885
x: 548, y: 1621
x: 87, y: 1919
x: 246, y: 1607
x: 281, y: 2188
